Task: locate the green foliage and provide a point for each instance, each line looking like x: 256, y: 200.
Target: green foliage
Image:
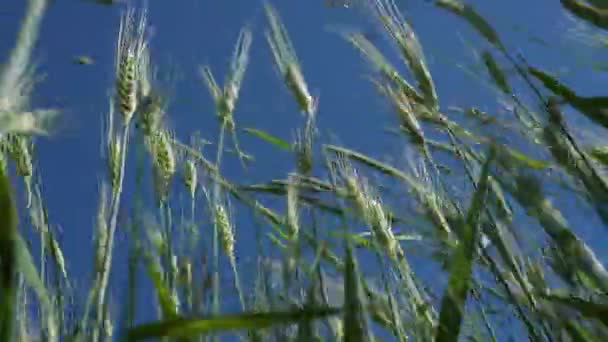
x: 499, y: 248
x: 195, y: 327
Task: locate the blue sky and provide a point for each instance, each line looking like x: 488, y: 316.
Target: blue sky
x: 189, y: 33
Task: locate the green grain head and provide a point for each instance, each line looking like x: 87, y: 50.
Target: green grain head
x: 189, y: 177
x: 225, y: 230
x: 19, y: 150
x: 129, y: 54
x: 368, y: 207
x: 113, y: 161
x: 164, y: 162
x: 286, y: 62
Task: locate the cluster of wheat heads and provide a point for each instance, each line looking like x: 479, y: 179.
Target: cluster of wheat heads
x: 337, y: 208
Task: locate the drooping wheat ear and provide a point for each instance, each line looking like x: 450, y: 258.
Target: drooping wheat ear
x: 287, y: 63
x: 297, y: 85
x: 20, y: 151
x: 225, y: 230
x: 303, y: 153
x: 293, y: 219
x: 369, y: 207
x: 190, y: 177
x: 222, y: 108
x: 164, y: 162
x: 278, y: 39
x: 381, y: 226
x: 130, y: 49
x: 303, y: 146
x: 238, y: 66
x: 387, y: 13
x: 151, y: 103
x: 225, y: 98
x: 150, y: 113
x: 352, y: 184
x: 58, y: 257
x: 405, y: 111
x: 428, y: 195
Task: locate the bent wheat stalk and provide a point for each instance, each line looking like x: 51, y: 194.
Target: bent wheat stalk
x: 130, y: 49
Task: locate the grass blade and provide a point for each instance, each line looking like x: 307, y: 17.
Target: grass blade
x: 498, y: 76
x: 250, y: 320
x: 355, y: 324
x: 269, y: 138
x: 167, y: 303
x: 595, y: 108
x: 455, y: 295
x: 468, y: 13
x: 587, y: 12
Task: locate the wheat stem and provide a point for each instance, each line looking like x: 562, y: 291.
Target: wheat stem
x: 107, y: 258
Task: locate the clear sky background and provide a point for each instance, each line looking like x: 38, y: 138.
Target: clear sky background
x: 189, y: 33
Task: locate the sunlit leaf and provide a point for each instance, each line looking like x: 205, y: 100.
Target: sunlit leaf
x: 498, y: 76
x: 595, y: 108
x: 588, y: 12
x: 269, y: 138
x: 251, y: 320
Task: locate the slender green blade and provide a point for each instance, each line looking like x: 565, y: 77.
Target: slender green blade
x: 498, y: 76
x: 594, y: 108
x: 468, y: 13
x: 587, y: 12
x: 225, y: 323
x: 269, y: 138
x: 455, y: 295
x: 355, y: 323
x: 167, y: 303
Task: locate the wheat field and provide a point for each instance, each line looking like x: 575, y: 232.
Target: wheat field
x: 442, y: 182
